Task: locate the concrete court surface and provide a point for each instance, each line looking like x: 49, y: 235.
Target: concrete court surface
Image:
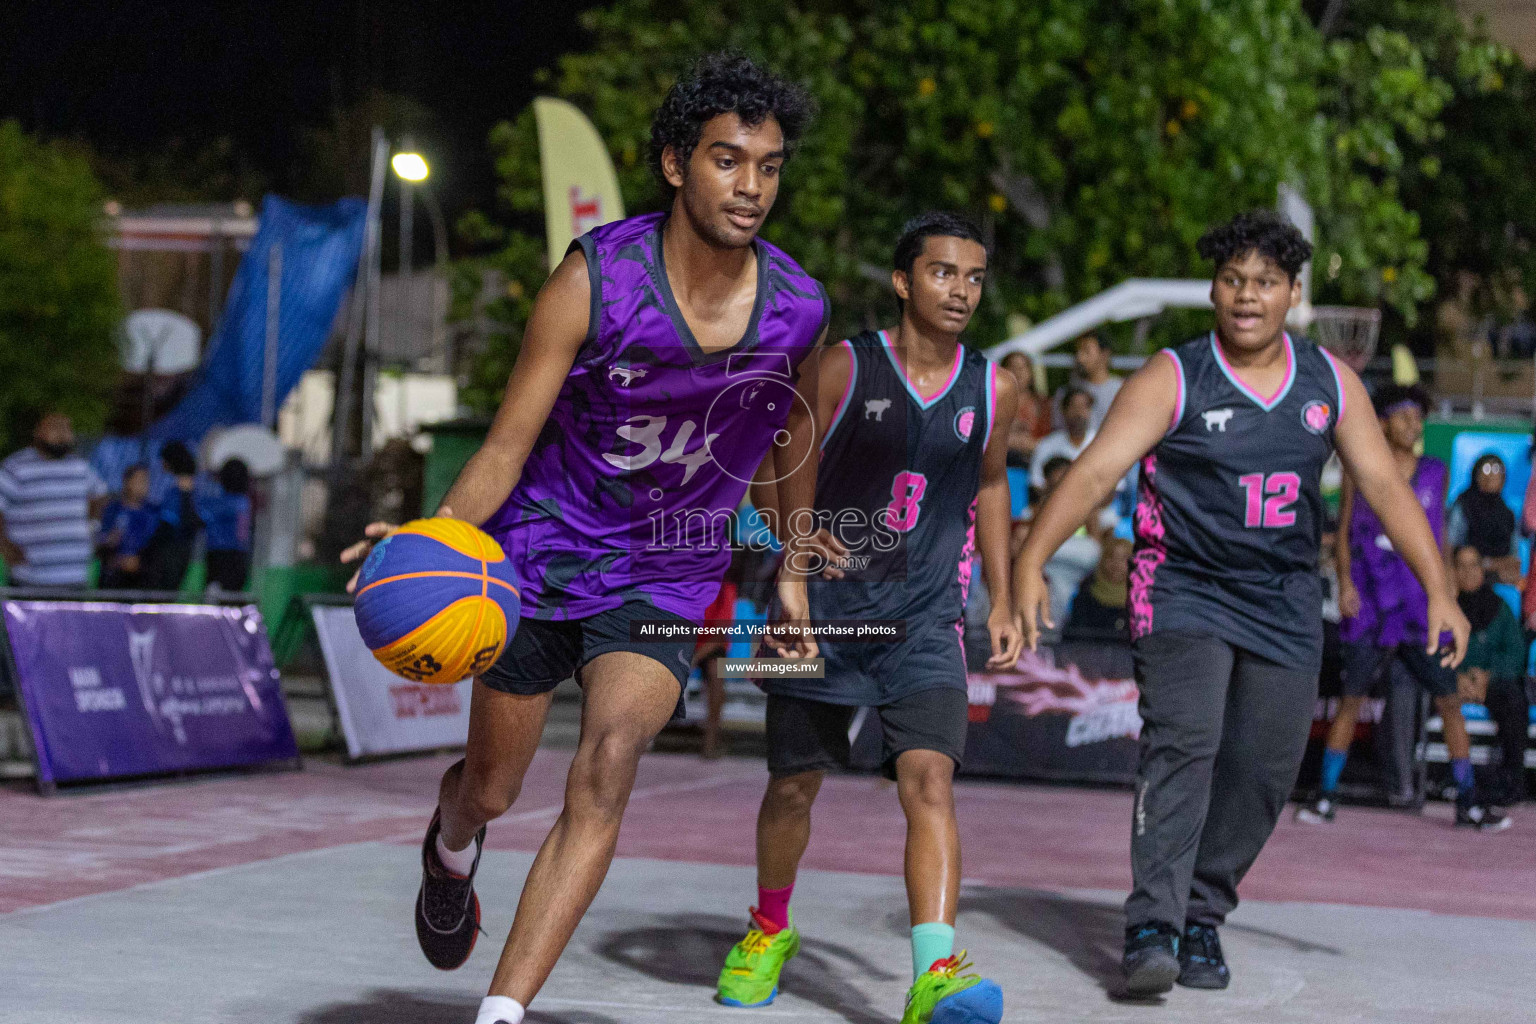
x: 286, y: 899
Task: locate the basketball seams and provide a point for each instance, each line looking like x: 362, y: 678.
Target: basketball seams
x: 464, y: 538
x: 468, y: 656
x: 438, y: 573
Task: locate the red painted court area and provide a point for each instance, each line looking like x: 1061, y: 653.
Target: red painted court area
x: 689, y: 810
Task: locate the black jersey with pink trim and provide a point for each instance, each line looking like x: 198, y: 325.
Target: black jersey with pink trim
x: 1229, y: 514
x: 897, y: 485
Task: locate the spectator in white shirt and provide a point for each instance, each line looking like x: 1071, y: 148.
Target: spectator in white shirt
x: 1076, y: 406
x: 1091, y: 374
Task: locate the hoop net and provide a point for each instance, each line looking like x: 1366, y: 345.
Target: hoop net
x: 1349, y: 332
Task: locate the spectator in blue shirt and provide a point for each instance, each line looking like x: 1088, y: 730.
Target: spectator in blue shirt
x: 226, y: 515
x: 126, y: 527
x: 169, y: 550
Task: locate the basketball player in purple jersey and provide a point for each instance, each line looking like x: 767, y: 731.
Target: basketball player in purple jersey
x: 1232, y: 431
x: 654, y: 376
x: 912, y: 427
x: 1383, y: 609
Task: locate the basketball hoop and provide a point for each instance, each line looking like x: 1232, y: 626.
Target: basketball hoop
x: 1349, y: 332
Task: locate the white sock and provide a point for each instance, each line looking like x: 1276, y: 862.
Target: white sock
x: 500, y: 1010
x: 460, y: 862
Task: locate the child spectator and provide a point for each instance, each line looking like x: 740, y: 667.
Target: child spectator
x: 1480, y: 518
x: 169, y: 550
x: 1068, y: 442
x: 1098, y: 610
x: 1493, y: 672
x: 127, y: 524
x: 226, y: 516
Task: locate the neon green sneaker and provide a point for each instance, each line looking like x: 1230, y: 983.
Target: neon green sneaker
x: 750, y: 976
x: 945, y: 996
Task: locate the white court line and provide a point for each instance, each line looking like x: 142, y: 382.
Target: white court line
x: 724, y: 1011
x: 532, y: 814
x: 157, y: 883
x: 553, y: 810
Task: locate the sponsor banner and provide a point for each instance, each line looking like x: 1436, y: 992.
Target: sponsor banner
x: 1066, y: 713
x: 115, y: 690
x: 380, y: 712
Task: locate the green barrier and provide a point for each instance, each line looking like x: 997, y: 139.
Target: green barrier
x: 453, y: 443
x: 1440, y: 434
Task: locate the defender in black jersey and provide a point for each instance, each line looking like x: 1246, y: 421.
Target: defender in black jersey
x: 1231, y: 430
x: 912, y: 432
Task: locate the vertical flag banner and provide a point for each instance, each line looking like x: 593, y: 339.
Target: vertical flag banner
x: 580, y: 189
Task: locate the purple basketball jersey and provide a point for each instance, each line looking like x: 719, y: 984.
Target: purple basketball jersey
x: 629, y: 490
x: 1393, y: 606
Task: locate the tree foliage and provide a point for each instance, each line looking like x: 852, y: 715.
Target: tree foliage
x: 58, y: 287
x: 1093, y: 139
x: 1468, y: 180
x: 1443, y: 120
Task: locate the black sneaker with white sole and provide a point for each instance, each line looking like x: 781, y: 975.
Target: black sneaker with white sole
x: 1201, y: 964
x: 1151, y: 959
x: 1318, y: 812
x: 1480, y: 817
x: 447, y: 909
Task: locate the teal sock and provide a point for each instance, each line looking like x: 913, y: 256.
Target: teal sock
x: 930, y: 942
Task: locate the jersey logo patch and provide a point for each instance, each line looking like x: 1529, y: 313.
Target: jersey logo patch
x: 965, y: 421
x: 876, y: 407
x: 1217, y: 419
x: 625, y: 375
x: 1316, y: 416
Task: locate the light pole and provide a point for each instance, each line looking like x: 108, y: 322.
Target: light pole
x: 412, y: 169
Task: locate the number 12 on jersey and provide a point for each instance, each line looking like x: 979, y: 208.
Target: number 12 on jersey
x: 1269, y: 498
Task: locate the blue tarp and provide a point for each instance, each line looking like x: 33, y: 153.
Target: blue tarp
x: 320, y: 249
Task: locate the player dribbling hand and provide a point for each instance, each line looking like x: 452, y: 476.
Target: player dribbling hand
x: 372, y: 534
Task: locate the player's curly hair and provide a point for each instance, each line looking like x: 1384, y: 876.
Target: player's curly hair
x: 727, y: 82
x: 1394, y: 395
x: 1262, y: 231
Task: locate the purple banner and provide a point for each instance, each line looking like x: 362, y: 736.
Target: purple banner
x: 114, y: 690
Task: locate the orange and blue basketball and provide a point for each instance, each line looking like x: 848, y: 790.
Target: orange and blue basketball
x: 437, y: 601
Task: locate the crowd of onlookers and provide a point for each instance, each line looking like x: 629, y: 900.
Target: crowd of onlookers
x: 1088, y: 575
x: 60, y: 517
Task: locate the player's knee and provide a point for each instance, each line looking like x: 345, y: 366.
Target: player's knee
x: 604, y: 770
x: 792, y: 794
x: 927, y: 786
x: 485, y: 799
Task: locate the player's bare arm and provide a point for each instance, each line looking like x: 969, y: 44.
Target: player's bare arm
x: 795, y: 465
x: 994, y: 521
x: 1368, y: 461
x: 1137, y: 420
x: 555, y: 333
x: 1343, y: 561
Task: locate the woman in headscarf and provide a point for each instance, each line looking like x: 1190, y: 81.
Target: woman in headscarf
x: 1480, y: 518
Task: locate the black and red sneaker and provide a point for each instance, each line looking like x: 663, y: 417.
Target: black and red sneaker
x: 447, y: 909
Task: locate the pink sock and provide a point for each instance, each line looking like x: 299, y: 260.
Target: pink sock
x: 773, y: 905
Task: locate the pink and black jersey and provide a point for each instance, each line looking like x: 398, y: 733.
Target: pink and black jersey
x: 897, y: 486
x: 1230, y: 512
x: 629, y: 490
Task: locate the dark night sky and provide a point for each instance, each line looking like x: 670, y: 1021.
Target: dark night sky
x: 128, y: 77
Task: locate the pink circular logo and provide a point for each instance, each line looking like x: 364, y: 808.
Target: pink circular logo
x: 1315, y: 416
x: 965, y: 419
